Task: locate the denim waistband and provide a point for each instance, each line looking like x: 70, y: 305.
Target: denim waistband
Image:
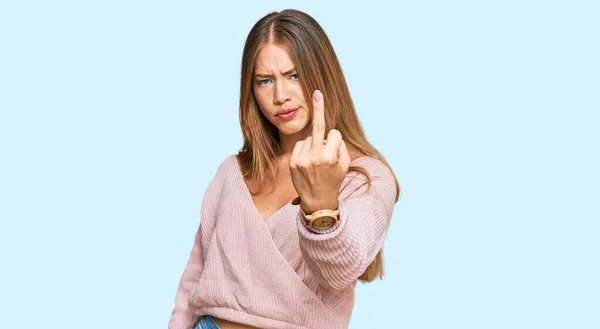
x: 207, y: 322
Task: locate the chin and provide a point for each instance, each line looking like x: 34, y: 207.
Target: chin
x: 288, y: 131
x: 291, y: 128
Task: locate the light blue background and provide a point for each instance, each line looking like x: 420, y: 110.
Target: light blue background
x: 115, y: 115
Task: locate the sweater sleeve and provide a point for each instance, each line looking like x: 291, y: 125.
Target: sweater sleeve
x: 182, y: 316
x: 339, y: 256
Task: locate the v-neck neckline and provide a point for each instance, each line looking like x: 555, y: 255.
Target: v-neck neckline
x: 248, y: 195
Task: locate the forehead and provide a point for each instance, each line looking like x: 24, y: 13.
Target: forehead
x: 273, y: 58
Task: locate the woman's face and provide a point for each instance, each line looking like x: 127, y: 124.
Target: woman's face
x: 277, y: 89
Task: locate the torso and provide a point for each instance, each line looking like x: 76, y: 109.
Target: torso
x: 274, y: 196
x: 271, y: 199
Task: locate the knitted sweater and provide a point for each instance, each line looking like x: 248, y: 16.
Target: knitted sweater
x: 276, y: 273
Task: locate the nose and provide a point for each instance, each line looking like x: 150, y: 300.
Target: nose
x: 281, y: 92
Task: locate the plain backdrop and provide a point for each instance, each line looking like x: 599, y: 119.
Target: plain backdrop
x: 114, y: 116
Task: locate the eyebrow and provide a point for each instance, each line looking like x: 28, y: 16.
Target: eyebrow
x: 261, y: 75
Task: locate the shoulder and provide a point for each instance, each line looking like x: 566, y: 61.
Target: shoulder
x: 369, y: 171
x: 223, y: 177
x: 230, y: 162
x: 226, y: 167
x: 373, y: 166
x: 370, y: 163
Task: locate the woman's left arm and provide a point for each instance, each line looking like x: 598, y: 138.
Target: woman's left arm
x: 340, y: 255
x: 318, y: 168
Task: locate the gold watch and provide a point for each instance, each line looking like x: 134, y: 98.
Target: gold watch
x: 320, y: 220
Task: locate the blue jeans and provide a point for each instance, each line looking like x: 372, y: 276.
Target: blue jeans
x: 207, y: 322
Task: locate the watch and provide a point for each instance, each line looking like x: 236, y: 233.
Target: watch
x: 320, y: 220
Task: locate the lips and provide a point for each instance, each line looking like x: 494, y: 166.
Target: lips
x: 287, y: 115
x: 286, y: 111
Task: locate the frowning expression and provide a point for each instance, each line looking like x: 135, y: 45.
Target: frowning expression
x: 277, y: 89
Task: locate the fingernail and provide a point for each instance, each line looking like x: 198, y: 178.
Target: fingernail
x: 317, y: 96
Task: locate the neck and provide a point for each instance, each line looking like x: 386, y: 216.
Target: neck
x: 287, y: 142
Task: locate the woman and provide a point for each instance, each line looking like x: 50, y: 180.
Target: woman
x: 291, y: 222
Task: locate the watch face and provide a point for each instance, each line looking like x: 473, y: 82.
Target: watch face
x: 323, y: 223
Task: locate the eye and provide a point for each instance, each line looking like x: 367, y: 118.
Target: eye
x: 295, y: 75
x: 260, y: 82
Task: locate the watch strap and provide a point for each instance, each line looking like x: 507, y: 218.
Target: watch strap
x: 320, y: 220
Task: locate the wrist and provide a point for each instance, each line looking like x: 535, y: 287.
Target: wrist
x: 311, y: 207
x: 324, y: 219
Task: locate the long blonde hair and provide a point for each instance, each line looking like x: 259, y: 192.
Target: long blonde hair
x: 318, y: 68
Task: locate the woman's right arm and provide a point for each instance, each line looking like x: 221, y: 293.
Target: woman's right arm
x: 182, y: 316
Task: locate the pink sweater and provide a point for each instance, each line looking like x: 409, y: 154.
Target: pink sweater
x: 276, y: 273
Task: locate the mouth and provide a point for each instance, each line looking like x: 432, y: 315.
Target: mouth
x: 287, y: 114
x: 286, y: 111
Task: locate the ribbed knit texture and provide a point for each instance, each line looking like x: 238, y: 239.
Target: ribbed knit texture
x: 275, y: 273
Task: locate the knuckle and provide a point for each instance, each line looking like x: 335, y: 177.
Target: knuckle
x: 323, y: 160
x: 311, y: 161
x: 303, y: 163
x: 335, y: 133
x: 329, y: 159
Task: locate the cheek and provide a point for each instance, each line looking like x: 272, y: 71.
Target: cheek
x: 298, y: 94
x: 261, y: 100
